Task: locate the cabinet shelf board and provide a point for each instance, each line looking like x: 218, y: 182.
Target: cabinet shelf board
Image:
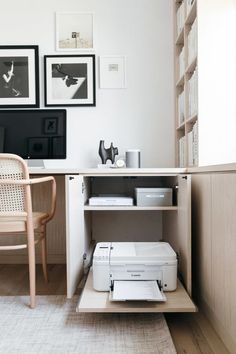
x: 181, y: 127
x: 128, y: 208
x: 191, y: 67
x: 191, y: 120
x: 97, y: 301
x: 180, y: 82
x: 192, y: 14
x: 180, y: 38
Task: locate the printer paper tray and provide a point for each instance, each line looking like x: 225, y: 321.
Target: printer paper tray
x: 139, y: 290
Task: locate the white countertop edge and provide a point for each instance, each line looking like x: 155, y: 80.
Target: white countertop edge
x: 133, y: 171
x: 229, y: 167
x: 108, y: 171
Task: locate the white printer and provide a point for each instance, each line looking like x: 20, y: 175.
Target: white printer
x: 135, y: 270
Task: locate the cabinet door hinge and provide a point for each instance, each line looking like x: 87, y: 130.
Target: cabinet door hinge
x: 83, y: 187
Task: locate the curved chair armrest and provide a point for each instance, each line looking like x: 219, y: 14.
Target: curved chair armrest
x: 24, y: 182
x: 53, y: 194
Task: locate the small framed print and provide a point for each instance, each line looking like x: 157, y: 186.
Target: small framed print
x: 50, y: 125
x: 74, y: 31
x: 112, y: 72
x: 19, y: 76
x: 70, y: 80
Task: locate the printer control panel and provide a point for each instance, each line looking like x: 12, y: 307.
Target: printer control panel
x: 102, y: 251
x: 101, y: 268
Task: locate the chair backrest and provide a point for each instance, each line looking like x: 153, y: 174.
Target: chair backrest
x: 12, y: 197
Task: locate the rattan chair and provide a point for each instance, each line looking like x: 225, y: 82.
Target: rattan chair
x: 16, y: 215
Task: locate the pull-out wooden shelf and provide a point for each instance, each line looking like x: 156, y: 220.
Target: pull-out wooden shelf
x: 95, y: 301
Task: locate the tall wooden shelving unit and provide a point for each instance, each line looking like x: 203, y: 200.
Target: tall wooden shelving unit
x: 185, y: 120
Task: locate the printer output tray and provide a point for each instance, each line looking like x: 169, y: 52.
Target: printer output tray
x: 136, y: 290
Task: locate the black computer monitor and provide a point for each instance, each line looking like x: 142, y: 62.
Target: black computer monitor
x: 34, y: 134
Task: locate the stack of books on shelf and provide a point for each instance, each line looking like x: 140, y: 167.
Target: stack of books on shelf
x: 193, y: 94
x: 181, y: 108
x: 182, y: 158
x: 189, y: 4
x: 180, y: 18
x: 181, y: 63
x: 192, y: 42
x: 192, y: 140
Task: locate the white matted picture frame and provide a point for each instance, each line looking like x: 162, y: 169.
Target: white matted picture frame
x: 19, y: 73
x: 70, y: 80
x: 74, y: 31
x: 112, y: 71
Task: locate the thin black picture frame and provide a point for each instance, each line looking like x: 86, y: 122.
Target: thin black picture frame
x: 19, y: 76
x: 70, y: 80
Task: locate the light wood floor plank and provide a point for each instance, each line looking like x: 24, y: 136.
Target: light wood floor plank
x: 185, y: 339
x: 192, y: 334
x: 14, y: 280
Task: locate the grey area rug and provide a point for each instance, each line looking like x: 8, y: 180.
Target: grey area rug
x: 55, y: 327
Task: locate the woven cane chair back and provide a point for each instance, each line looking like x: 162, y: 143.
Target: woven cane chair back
x: 12, y: 197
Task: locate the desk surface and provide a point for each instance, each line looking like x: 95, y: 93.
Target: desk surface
x: 107, y: 171
x: 132, y: 171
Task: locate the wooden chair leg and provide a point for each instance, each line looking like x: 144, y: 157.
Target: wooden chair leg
x: 44, y: 254
x: 31, y: 256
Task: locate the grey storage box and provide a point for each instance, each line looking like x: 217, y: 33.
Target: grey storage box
x: 153, y: 196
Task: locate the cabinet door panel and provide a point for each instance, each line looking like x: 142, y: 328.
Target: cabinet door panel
x: 202, y: 236
x: 184, y: 231
x: 75, y: 243
x: 177, y: 230
x: 224, y: 248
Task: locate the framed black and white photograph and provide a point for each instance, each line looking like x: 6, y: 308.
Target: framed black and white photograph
x: 74, y: 31
x: 69, y: 80
x: 19, y: 76
x: 112, y: 72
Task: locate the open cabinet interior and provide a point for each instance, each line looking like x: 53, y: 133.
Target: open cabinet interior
x: 139, y: 224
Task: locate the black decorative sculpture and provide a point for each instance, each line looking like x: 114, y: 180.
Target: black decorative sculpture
x: 107, y: 154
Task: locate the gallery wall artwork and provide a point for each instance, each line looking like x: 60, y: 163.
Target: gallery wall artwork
x: 112, y: 71
x: 69, y: 80
x: 19, y: 76
x: 74, y: 31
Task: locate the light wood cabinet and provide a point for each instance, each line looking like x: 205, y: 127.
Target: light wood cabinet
x: 171, y: 224
x: 224, y: 249
x: 79, y: 225
x: 214, y: 240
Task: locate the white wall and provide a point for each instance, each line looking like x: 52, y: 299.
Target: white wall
x: 140, y: 116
